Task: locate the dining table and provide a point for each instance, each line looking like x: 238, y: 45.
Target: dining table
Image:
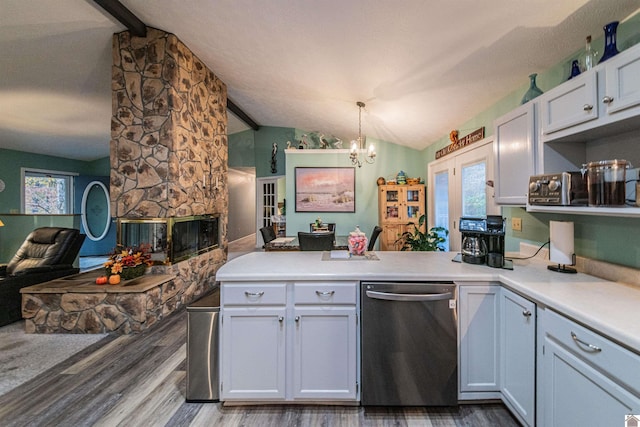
x: 290, y: 243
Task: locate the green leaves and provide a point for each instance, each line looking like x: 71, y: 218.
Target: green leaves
x: 416, y: 240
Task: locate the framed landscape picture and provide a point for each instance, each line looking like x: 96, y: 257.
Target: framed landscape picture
x: 325, y: 189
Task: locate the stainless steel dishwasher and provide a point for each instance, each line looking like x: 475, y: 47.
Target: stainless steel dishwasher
x: 409, y: 344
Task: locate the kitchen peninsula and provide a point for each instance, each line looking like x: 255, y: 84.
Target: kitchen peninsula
x: 578, y: 321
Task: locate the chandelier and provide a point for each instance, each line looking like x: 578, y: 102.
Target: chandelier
x: 358, y: 146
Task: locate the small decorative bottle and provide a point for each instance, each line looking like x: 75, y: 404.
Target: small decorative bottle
x: 588, y: 55
x: 533, y: 90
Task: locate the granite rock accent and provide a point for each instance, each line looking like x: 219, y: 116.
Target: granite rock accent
x: 168, y: 130
x: 123, y: 312
x: 168, y: 147
x: 101, y: 312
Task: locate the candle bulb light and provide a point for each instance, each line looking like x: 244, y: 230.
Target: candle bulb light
x: 359, y: 144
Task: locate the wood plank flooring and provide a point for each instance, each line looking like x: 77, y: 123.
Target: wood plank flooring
x: 139, y: 380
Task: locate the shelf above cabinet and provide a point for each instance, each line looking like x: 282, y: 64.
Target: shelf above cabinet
x: 622, y: 211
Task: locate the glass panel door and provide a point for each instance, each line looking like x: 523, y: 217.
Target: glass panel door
x: 440, y: 196
x: 441, y: 202
x: 474, y: 201
x: 267, y: 208
x: 461, y: 186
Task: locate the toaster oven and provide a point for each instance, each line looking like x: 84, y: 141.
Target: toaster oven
x: 559, y: 189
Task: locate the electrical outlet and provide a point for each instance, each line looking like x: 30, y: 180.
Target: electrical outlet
x: 516, y: 224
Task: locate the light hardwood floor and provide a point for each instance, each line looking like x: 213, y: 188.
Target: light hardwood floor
x: 139, y: 380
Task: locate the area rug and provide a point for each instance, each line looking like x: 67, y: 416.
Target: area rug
x: 24, y: 356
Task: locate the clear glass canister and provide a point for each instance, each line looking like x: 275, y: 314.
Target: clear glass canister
x: 606, y: 182
x: 357, y: 242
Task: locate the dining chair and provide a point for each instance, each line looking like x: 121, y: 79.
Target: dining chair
x: 374, y: 236
x: 316, y: 241
x: 267, y: 234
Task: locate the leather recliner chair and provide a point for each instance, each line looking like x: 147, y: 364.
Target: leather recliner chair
x: 47, y: 253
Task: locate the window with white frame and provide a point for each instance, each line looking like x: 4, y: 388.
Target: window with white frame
x: 46, y: 192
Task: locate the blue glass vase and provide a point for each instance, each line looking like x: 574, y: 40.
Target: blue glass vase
x: 533, y: 90
x: 575, y: 69
x: 610, y: 48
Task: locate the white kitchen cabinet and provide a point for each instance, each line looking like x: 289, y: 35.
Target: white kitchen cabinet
x: 514, y: 154
x: 479, y: 320
x: 622, y: 89
x: 599, y: 103
x: 289, y: 341
x: 253, y: 338
x: 569, y: 104
x: 517, y: 355
x: 586, y: 379
x: 325, y: 341
x: 253, y: 353
x: 325, y: 352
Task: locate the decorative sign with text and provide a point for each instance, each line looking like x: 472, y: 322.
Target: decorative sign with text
x: 457, y: 144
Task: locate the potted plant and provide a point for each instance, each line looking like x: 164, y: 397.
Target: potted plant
x: 416, y: 240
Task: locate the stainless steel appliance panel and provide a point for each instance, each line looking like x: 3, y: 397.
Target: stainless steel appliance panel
x: 202, y: 349
x: 560, y: 189
x: 409, y: 344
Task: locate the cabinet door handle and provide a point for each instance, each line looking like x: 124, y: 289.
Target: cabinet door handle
x: 587, y: 107
x: 254, y: 294
x: 297, y: 318
x: 607, y: 100
x: 526, y: 313
x: 280, y: 319
x: 325, y: 293
x: 591, y: 348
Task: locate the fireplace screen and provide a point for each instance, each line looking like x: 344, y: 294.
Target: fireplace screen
x: 171, y: 239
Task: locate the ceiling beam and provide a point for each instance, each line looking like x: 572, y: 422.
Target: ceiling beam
x: 139, y: 29
x: 242, y: 115
x: 135, y: 26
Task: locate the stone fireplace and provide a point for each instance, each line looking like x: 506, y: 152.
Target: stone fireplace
x: 169, y: 145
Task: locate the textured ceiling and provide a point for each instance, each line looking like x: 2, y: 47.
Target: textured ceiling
x: 422, y: 67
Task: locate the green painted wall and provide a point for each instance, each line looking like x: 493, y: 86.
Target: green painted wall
x: 609, y: 239
x: 264, y: 140
x: 242, y: 149
x: 17, y: 226
x: 390, y: 160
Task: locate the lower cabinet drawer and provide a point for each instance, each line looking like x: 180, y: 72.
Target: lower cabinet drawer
x: 617, y: 362
x: 254, y: 294
x: 325, y: 292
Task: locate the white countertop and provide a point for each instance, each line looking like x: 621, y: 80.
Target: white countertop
x: 607, y: 307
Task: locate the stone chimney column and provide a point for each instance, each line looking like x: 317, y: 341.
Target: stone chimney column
x: 168, y: 130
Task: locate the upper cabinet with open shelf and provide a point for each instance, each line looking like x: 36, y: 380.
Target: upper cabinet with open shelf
x: 594, y: 116
x: 600, y: 102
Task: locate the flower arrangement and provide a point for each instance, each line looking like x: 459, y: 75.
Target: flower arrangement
x: 129, y: 262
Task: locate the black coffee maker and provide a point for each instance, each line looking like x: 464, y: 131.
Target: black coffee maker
x: 483, y: 240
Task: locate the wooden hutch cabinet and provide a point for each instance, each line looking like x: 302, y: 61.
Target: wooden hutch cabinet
x: 398, y: 207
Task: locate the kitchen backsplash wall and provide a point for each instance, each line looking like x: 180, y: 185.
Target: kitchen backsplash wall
x: 604, y: 270
x: 614, y: 240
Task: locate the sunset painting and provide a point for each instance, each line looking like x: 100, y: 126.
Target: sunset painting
x: 325, y: 189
